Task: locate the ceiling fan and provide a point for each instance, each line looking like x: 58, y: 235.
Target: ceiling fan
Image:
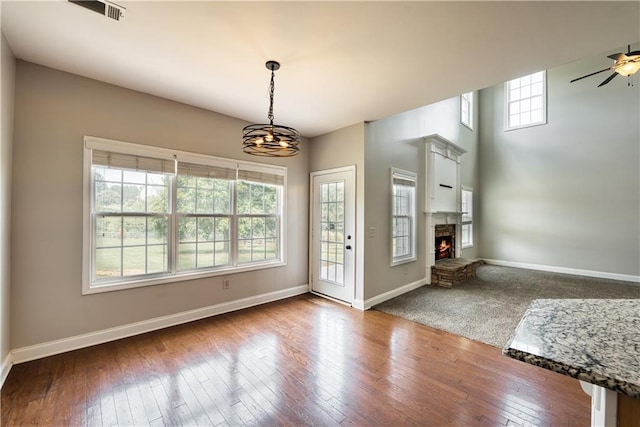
x: 626, y: 64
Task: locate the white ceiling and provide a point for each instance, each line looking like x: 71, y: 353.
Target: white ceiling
x: 342, y: 62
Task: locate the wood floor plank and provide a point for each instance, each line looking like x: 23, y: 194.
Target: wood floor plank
x: 300, y: 361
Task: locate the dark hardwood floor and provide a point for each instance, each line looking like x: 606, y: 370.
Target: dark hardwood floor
x: 300, y: 361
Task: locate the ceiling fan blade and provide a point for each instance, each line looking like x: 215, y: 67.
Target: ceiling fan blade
x: 608, y: 79
x: 615, y: 56
x: 589, y: 75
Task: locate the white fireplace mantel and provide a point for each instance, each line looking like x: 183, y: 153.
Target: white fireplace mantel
x: 442, y: 192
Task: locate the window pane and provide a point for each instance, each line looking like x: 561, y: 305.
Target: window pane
x: 536, y: 103
x: 204, y: 200
x: 186, y: 256
x: 157, y: 230
x: 186, y: 200
x: 205, y: 255
x: 157, y: 198
x: 243, y: 201
x: 133, y: 198
x: 108, y: 231
x: 244, y: 228
x: 257, y: 199
x: 187, y: 229
x: 221, y: 196
x: 157, y: 259
x: 221, y: 253
x: 108, y: 263
x: 108, y: 197
x: 205, y: 229
x: 134, y: 231
x: 132, y: 177
x: 134, y: 261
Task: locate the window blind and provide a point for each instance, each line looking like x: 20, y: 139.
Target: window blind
x: 206, y: 171
x: 261, y: 177
x: 133, y: 162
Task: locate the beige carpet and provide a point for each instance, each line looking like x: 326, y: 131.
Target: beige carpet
x: 489, y: 307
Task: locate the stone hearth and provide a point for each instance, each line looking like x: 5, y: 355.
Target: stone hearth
x: 452, y: 272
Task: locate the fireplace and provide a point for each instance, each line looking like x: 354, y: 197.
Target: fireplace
x: 445, y: 241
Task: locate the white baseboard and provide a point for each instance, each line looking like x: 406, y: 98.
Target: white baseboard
x: 565, y: 270
x: 367, y: 304
x: 7, y: 363
x: 38, y: 351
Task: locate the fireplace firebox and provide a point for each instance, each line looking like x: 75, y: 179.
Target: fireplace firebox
x: 445, y: 241
x: 444, y: 247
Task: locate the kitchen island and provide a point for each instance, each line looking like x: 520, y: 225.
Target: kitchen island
x: 596, y: 341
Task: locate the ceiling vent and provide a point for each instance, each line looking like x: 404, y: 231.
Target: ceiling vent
x: 103, y: 7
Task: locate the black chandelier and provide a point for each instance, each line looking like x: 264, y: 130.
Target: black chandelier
x: 269, y: 140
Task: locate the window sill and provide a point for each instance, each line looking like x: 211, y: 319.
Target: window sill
x: 403, y: 261
x: 89, y: 289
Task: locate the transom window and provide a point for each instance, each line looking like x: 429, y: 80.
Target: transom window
x: 403, y: 216
x: 154, y: 215
x: 466, y: 109
x: 526, y: 101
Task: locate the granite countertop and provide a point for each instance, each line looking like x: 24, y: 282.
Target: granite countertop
x: 593, y: 340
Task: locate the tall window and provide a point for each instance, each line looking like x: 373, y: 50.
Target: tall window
x: 466, y: 109
x: 467, y: 217
x: 403, y: 216
x: 154, y: 215
x: 526, y: 101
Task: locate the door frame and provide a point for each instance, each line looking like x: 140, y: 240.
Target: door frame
x: 352, y: 170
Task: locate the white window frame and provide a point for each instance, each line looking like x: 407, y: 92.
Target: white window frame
x: 524, y: 89
x: 467, y: 216
x: 407, y: 177
x: 174, y: 275
x: 466, y: 109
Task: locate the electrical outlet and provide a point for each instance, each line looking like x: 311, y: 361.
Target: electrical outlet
x: 225, y: 283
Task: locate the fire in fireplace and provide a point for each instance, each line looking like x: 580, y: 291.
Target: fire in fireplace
x: 444, y: 247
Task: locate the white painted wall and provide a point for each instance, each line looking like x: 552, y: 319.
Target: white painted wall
x: 53, y: 111
x: 8, y: 68
x: 565, y: 194
x: 397, y: 142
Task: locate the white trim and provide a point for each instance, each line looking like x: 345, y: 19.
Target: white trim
x: 7, y: 363
x: 50, y: 348
x: 413, y: 177
x: 378, y: 299
x: 565, y: 270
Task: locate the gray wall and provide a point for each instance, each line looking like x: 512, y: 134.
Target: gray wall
x: 565, y: 194
x: 397, y: 142
x: 53, y: 111
x: 8, y: 63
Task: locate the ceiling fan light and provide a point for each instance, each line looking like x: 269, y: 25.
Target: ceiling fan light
x: 628, y: 69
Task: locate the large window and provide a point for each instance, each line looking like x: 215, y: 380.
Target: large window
x: 467, y: 217
x: 154, y: 215
x: 526, y: 101
x: 403, y: 216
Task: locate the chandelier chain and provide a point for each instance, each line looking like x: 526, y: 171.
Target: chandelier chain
x: 271, y: 90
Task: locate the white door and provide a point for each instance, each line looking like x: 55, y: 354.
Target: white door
x: 333, y: 233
